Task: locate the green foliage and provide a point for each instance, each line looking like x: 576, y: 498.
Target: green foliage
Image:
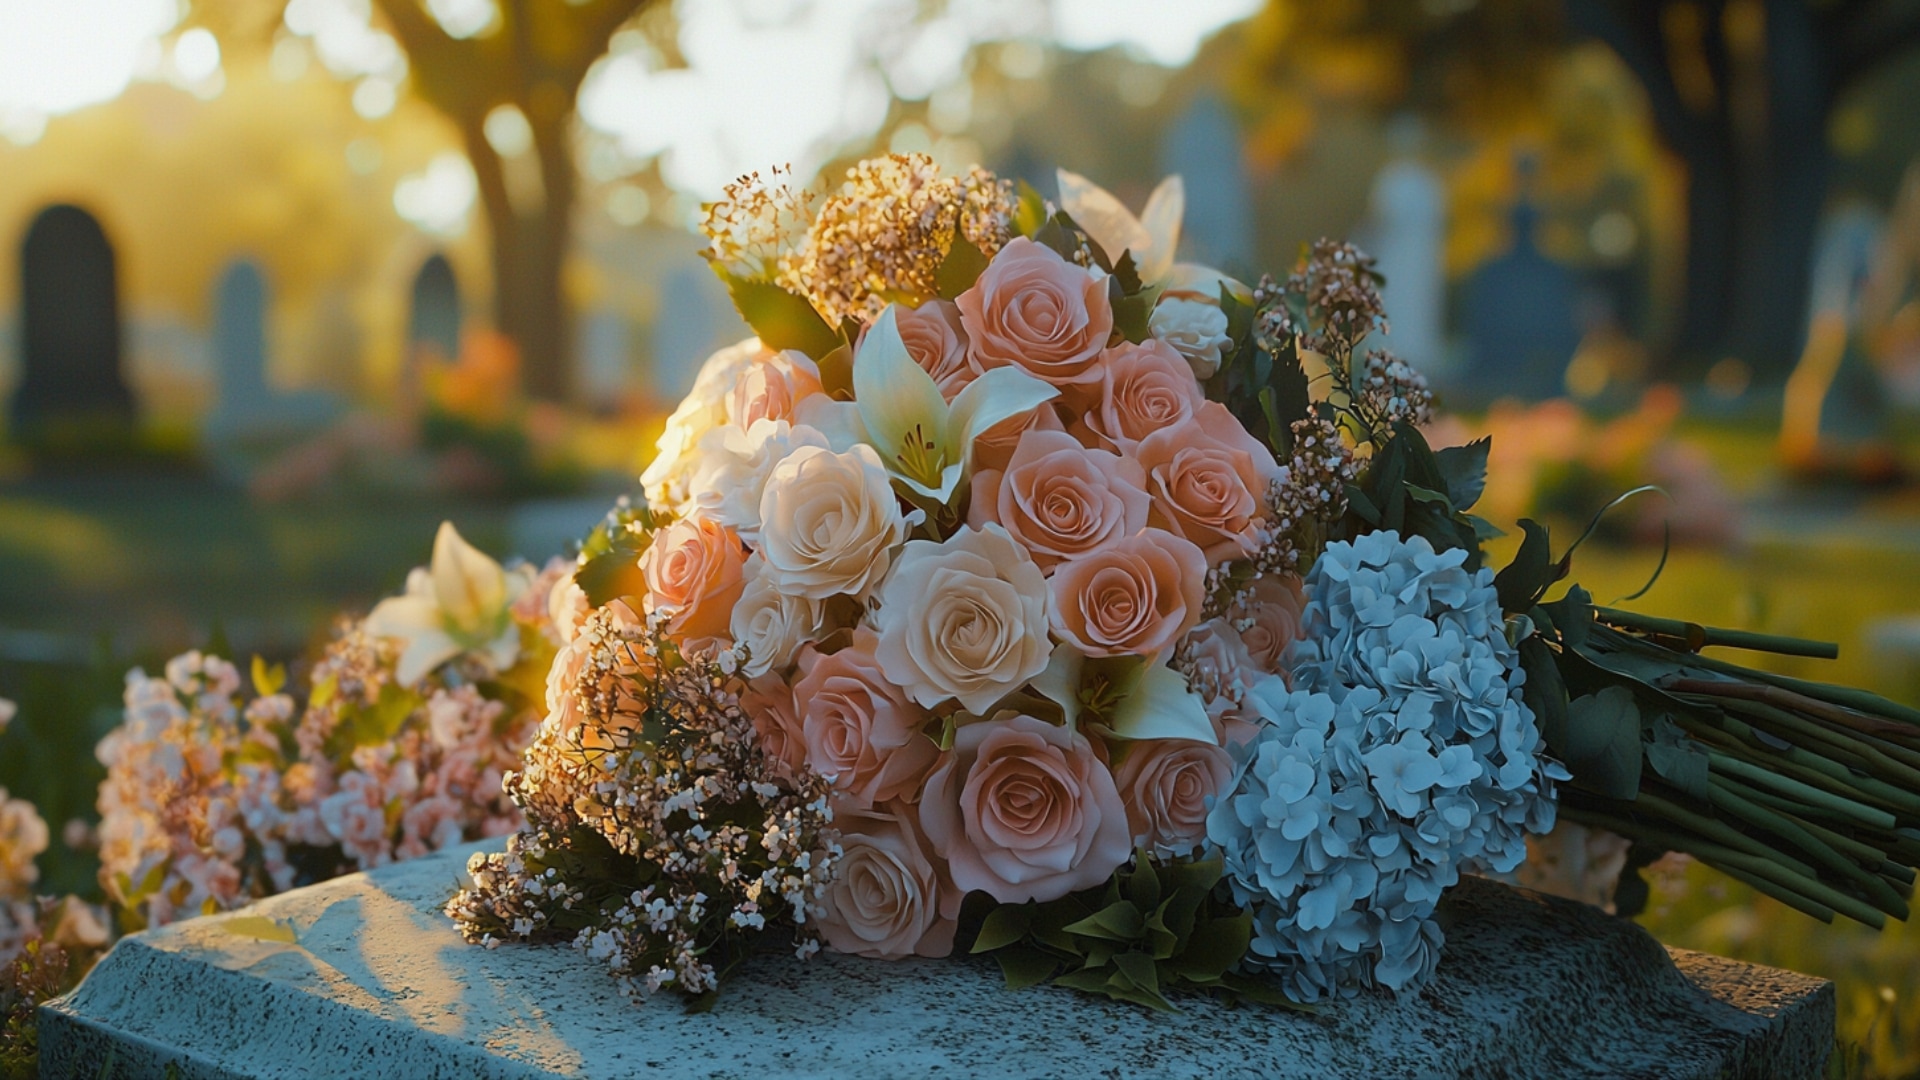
x: 366, y: 725
x: 1154, y: 929
x: 960, y: 269
x: 612, y: 551
x: 41, y: 972
x: 1413, y: 491
x: 782, y: 320
x: 1267, y: 391
x: 1030, y: 215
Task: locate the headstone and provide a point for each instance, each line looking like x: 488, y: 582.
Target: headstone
x: 435, y: 319
x: 1204, y: 147
x: 70, y: 350
x: 1520, y: 319
x: 1854, y: 405
x: 365, y: 976
x: 1409, y: 210
x: 606, y: 371
x: 246, y: 407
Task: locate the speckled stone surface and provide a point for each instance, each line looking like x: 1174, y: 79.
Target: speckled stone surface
x: 376, y: 983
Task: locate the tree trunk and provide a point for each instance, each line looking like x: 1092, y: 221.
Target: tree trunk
x: 529, y: 252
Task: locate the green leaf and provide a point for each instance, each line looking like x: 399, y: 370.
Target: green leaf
x: 1132, y: 315
x: 1603, y: 747
x: 1201, y: 874
x: 1139, y: 969
x: 1530, y: 572
x: 1545, y: 692
x: 1143, y: 886
x: 1091, y: 982
x: 1361, y: 505
x: 1023, y: 967
x: 782, y: 320
x: 1060, y: 234
x: 608, y: 577
x: 1115, y: 922
x: 1292, y: 396
x: 1003, y: 926
x: 1215, y: 946
x: 1572, y: 616
x: 1030, y: 214
x: 268, y: 679
x: 960, y: 269
x: 1465, y: 470
x: 1127, y: 274
x: 1677, y: 759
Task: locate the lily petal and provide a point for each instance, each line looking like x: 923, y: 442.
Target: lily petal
x: 1060, y: 682
x: 901, y: 405
x: 471, y: 588
x: 997, y: 394
x: 1161, y: 707
x: 404, y: 616
x: 1104, y: 217
x: 838, y: 421
x: 424, y: 652
x: 1161, y: 222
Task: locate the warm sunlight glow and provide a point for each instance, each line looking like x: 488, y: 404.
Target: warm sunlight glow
x: 58, y: 57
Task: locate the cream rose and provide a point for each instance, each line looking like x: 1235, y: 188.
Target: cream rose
x: 731, y: 466
x: 965, y: 619
x: 1197, y: 330
x: 829, y: 522
x: 938, y: 343
x: 1134, y: 597
x: 770, y: 624
x: 768, y: 702
x: 860, y: 729
x: 1148, y: 388
x: 1165, y: 785
x: 1034, y: 310
x: 693, y: 571
x: 665, y: 481
x: 890, y: 896
x: 770, y: 387
x: 1060, y: 499
x: 1267, y: 617
x: 1209, y: 480
x: 1023, y: 810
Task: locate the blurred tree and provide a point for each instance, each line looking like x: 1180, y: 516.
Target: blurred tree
x: 1740, y: 90
x: 531, y: 61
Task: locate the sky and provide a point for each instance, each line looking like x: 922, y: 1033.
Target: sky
x: 766, y: 81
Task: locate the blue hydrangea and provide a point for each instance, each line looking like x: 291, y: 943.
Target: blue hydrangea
x: 1402, y: 756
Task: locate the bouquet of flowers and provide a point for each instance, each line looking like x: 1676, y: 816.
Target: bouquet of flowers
x: 1017, y: 589
x: 215, y: 797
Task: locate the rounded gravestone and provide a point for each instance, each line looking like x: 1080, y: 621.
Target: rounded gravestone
x: 435, y: 321
x: 70, y: 357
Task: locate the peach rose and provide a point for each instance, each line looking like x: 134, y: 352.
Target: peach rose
x: 1036, y: 311
x: 890, y: 895
x: 1165, y: 785
x: 965, y: 619
x: 768, y: 702
x: 620, y: 697
x: 937, y: 342
x: 860, y: 728
x: 771, y: 386
x: 1060, y: 499
x: 693, y: 574
x: 1022, y: 810
x: 1148, y: 388
x: 1134, y: 597
x: 829, y: 522
x: 994, y: 448
x: 1268, y: 620
x: 1209, y: 480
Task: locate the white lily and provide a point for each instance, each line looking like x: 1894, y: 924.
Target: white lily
x: 1152, y: 237
x: 460, y: 603
x: 925, y: 441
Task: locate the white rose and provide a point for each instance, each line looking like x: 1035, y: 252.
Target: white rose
x: 963, y: 619
x: 730, y: 469
x: 703, y: 409
x: 1196, y: 329
x: 829, y: 522
x: 770, y: 623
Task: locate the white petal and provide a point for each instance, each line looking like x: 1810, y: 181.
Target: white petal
x: 1104, y: 217
x: 404, y: 616
x: 1060, y: 682
x: 423, y: 653
x: 991, y: 398
x: 1161, y: 707
x: 900, y: 403
x: 471, y: 587
x: 1161, y: 222
x: 837, y: 422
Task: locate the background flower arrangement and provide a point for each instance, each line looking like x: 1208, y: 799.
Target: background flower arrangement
x: 215, y: 796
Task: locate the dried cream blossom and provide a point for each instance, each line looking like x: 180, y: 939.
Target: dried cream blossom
x: 882, y: 237
x: 753, y: 230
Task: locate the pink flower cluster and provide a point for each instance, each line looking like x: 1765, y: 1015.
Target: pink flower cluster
x: 981, y: 680
x: 214, y: 797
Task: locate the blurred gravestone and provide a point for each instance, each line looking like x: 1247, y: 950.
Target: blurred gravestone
x: 1520, y: 319
x: 435, y: 320
x: 70, y: 378
x: 604, y: 368
x: 1204, y: 148
x: 1854, y: 404
x: 694, y: 319
x: 246, y: 407
x: 1409, y: 227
